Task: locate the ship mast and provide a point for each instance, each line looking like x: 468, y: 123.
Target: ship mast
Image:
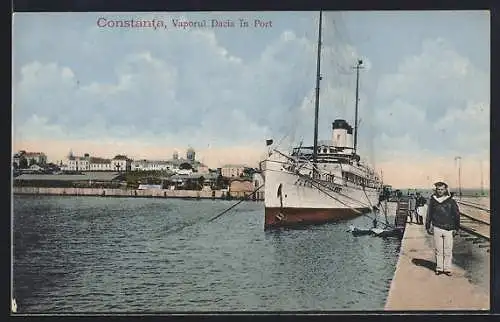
x: 316, y: 104
x: 357, y: 67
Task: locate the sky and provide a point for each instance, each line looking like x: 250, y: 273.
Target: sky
x: 147, y: 92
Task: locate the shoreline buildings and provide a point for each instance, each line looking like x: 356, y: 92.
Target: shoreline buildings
x: 187, y: 165
x: 122, y: 163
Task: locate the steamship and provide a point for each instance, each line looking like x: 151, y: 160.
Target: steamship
x: 320, y: 183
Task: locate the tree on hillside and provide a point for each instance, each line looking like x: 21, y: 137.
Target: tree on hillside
x: 248, y: 172
x: 185, y: 166
x: 23, y: 163
x: 225, y: 182
x: 218, y: 181
x: 32, y: 162
x: 201, y: 180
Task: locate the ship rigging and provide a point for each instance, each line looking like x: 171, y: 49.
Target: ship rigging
x: 295, y: 182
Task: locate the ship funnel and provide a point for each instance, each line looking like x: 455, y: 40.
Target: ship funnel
x: 342, y: 134
x: 349, y: 140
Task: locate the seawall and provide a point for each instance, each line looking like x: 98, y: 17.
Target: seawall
x: 108, y: 192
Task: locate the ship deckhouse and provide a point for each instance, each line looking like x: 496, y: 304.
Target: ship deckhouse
x: 336, y: 158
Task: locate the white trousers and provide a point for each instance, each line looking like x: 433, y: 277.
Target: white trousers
x: 443, y: 245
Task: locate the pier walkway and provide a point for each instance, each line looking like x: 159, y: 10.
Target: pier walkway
x: 415, y: 287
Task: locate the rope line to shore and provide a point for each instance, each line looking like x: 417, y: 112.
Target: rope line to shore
x: 244, y: 199
x: 219, y: 214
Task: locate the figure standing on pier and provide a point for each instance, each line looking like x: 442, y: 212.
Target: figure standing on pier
x: 421, y: 201
x: 412, y: 207
x: 444, y: 216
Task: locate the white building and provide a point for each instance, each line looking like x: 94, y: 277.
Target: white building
x: 184, y: 171
x: 152, y: 165
x: 76, y: 163
x: 188, y: 164
x: 100, y: 164
x: 36, y: 168
x: 87, y: 163
x: 121, y: 163
x: 232, y: 170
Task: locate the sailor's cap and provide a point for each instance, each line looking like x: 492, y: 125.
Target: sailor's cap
x: 440, y: 183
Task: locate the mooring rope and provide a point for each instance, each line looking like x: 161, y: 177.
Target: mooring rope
x: 245, y: 198
x: 219, y: 214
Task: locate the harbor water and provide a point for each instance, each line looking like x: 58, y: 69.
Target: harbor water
x: 94, y: 254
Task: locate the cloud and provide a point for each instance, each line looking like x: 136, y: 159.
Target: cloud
x: 75, y: 82
x: 437, y: 99
x: 438, y: 71
x: 180, y: 86
x: 148, y: 95
x: 397, y: 117
x: 473, y: 122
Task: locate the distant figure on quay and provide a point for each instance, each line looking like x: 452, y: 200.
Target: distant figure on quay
x: 412, y: 207
x: 421, y: 202
x: 442, y: 221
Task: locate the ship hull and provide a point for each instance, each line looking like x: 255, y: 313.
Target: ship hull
x: 287, y: 216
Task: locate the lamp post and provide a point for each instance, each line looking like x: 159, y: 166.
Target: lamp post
x: 459, y: 160
x: 482, y: 181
